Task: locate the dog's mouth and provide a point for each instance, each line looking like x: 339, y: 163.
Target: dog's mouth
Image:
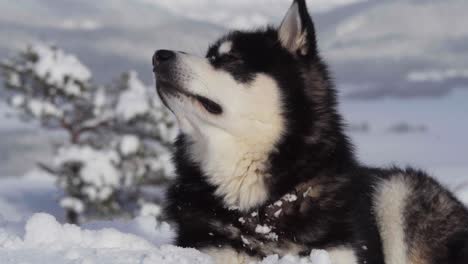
x: 172, y: 89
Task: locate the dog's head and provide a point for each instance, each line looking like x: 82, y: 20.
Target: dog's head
x: 255, y: 96
x: 246, y: 83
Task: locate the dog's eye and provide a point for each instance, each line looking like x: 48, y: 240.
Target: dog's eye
x: 229, y: 57
x: 210, y: 106
x: 224, y: 58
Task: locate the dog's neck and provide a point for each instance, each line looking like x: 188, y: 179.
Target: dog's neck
x: 236, y: 167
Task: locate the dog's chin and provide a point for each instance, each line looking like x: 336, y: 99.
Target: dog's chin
x: 171, y: 88
x: 167, y: 90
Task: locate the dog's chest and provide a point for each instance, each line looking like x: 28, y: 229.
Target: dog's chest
x: 267, y: 230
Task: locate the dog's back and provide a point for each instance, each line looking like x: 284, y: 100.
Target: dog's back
x: 418, y: 220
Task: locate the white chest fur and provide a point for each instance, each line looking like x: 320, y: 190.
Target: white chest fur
x: 237, y: 169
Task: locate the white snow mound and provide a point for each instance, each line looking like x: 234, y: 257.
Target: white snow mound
x: 45, y: 240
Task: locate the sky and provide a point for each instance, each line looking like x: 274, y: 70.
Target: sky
x: 396, y: 63
x: 395, y: 44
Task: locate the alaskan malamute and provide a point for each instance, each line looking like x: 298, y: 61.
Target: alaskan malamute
x: 264, y: 166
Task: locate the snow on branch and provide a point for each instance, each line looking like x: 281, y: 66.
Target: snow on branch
x: 119, y: 134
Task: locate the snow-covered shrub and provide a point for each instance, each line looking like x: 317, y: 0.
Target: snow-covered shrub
x: 119, y: 134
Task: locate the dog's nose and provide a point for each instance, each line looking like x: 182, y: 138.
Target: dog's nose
x: 162, y: 56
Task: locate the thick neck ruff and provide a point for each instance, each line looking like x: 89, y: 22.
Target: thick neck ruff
x: 262, y: 223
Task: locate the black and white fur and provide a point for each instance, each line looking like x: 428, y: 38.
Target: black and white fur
x: 264, y: 166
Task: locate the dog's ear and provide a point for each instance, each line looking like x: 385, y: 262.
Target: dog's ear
x: 297, y: 32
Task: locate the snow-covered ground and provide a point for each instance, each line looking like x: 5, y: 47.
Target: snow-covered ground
x: 32, y: 231
x: 42, y: 239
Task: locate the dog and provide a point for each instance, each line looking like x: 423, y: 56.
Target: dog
x: 264, y: 166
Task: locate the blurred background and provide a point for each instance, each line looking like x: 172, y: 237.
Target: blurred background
x: 400, y: 66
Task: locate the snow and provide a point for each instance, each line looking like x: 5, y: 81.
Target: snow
x: 28, y: 237
x: 73, y: 204
x: 150, y: 209
x: 278, y: 213
x: 100, y: 99
x: 290, y: 197
x: 316, y: 257
x: 43, y: 230
x: 320, y: 256
x: 99, y: 170
x: 163, y: 163
x: 262, y: 229
x: 129, y: 145
x: 245, y: 240
x: 56, y: 66
x: 266, y: 231
x: 13, y: 79
x: 41, y: 108
x: 134, y: 101
x: 17, y: 100
x: 45, y: 240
